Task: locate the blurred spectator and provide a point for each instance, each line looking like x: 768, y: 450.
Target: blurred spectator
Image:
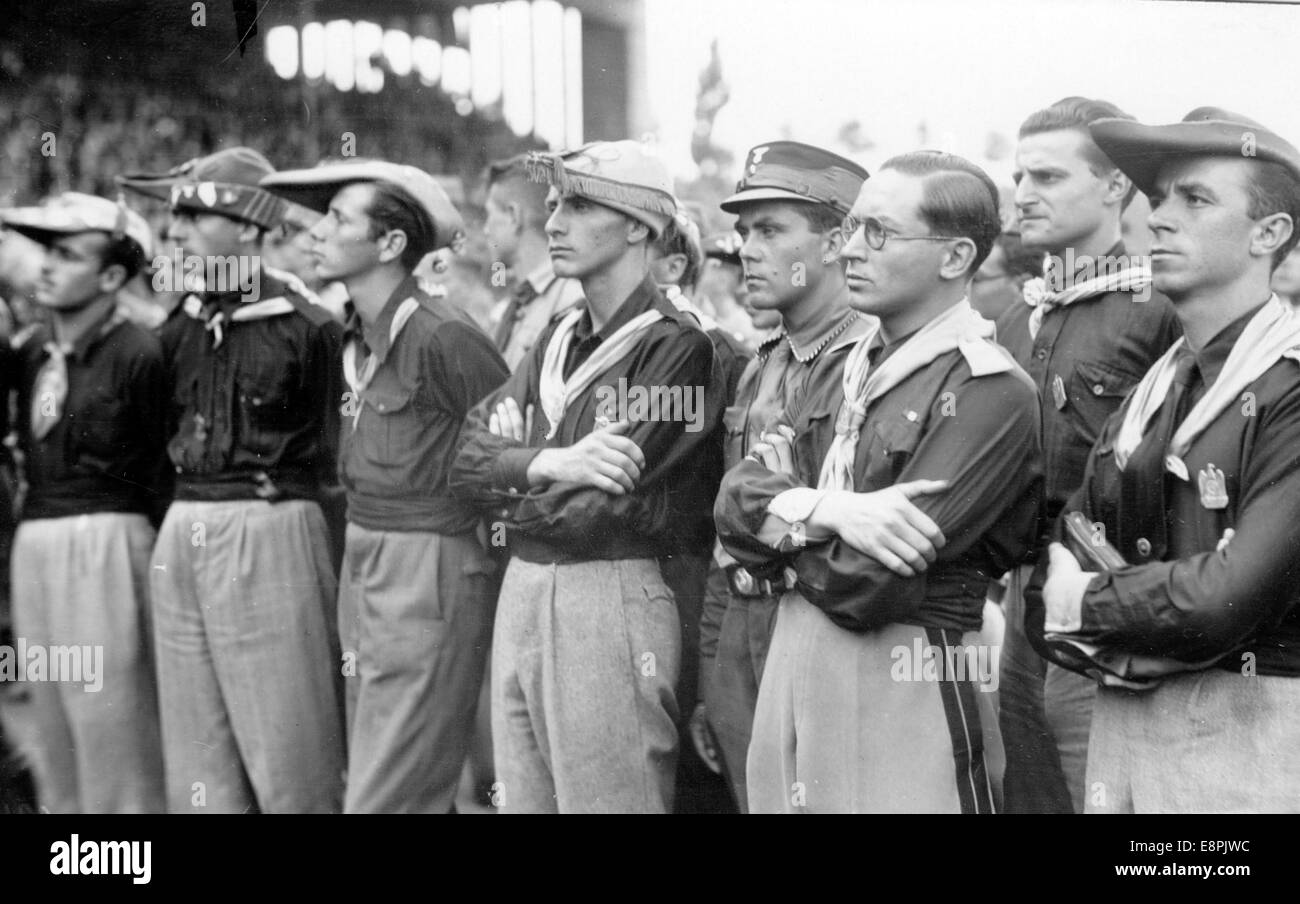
x: 721, y: 290
x: 997, y: 284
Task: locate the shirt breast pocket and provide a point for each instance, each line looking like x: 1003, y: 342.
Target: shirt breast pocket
x: 266, y: 411
x: 98, y: 431
x: 1096, y: 391
x: 387, y: 431
x: 893, y: 441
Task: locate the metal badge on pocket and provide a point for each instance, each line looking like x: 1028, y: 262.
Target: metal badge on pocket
x: 1214, y: 488
x: 1058, y: 391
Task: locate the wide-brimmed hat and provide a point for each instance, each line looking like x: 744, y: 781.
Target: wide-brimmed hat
x: 224, y: 183
x: 315, y: 188
x: 1141, y: 150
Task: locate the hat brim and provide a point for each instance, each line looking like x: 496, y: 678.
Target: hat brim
x: 749, y: 195
x: 35, y: 225
x: 159, y: 188
x: 36, y: 234
x: 1140, y: 151
x: 315, y: 188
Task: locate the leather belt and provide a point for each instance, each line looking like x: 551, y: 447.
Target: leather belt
x: 742, y: 583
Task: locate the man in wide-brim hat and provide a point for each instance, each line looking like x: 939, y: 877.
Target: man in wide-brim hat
x: 1196, y: 484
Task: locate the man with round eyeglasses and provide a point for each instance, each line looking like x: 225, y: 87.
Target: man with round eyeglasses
x: 892, y: 499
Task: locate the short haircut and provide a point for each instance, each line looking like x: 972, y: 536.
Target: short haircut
x: 675, y: 240
x: 821, y: 217
x: 122, y: 251
x: 958, y: 198
x: 1274, y: 189
x: 1075, y: 114
x: 531, y: 196
x: 392, y: 207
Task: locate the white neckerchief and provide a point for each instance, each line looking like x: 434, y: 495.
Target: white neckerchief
x: 1272, y: 333
x: 358, y: 380
x: 555, y: 391
x: 958, y: 327
x: 252, y: 310
x: 1133, y: 278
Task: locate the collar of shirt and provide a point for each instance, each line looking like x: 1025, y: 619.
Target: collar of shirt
x: 95, y: 334
x: 268, y: 287
x: 1083, y: 262
x: 1214, y: 354
x: 375, y: 336
x: 879, y: 350
x: 808, y: 342
x: 644, y: 297
x: 542, y: 277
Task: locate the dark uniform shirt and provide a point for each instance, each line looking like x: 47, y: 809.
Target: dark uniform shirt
x: 773, y: 384
x: 103, y: 453
x: 396, y: 453
x: 1098, y: 348
x: 1196, y: 602
x: 565, y: 522
x: 939, y: 423
x: 257, y: 416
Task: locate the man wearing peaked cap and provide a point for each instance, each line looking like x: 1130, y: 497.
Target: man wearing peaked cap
x: 1196, y: 483
x: 592, y: 487
x: 883, y: 502
x: 1085, y: 334
x: 790, y: 204
x: 416, y: 593
x: 242, y: 580
x: 91, y: 390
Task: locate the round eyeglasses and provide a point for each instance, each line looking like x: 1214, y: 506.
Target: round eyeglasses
x: 876, y: 233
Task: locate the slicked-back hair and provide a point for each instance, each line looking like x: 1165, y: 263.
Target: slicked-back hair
x: 1274, y: 189
x: 511, y: 175
x: 958, y: 198
x: 1075, y: 114
x: 392, y: 207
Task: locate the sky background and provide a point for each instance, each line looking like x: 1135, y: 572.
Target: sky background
x: 801, y: 69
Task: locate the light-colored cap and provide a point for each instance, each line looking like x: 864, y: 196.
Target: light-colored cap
x: 73, y: 212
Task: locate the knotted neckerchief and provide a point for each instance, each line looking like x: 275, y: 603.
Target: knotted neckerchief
x: 555, y: 391
x: 958, y: 327
x: 1272, y: 333
x: 215, y: 314
x: 358, y: 380
x: 50, y: 389
x: 1132, y: 278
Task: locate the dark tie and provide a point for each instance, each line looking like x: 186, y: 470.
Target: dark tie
x: 1142, y: 482
x: 520, y: 296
